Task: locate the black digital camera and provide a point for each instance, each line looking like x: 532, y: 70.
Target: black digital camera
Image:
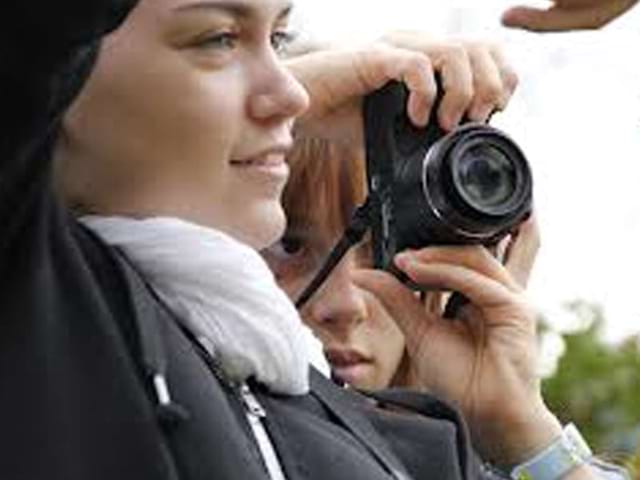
x: 428, y: 187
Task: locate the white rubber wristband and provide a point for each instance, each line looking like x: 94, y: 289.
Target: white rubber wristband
x: 566, y: 453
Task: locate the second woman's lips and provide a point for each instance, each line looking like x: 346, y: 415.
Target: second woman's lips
x: 350, y: 366
x: 345, y: 358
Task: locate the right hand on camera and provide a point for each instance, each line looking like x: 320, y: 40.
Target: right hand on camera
x: 476, y: 78
x: 484, y: 361
x: 567, y: 15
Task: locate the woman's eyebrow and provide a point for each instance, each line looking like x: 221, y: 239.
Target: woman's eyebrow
x: 236, y: 8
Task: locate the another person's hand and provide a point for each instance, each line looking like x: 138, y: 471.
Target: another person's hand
x: 476, y: 81
x: 484, y: 361
x: 567, y: 15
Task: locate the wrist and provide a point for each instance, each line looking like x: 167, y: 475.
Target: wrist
x: 567, y: 457
x: 520, y: 437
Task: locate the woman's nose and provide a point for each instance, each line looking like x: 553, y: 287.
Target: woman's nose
x: 339, y: 306
x: 276, y: 95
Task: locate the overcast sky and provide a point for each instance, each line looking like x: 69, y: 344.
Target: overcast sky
x: 577, y: 117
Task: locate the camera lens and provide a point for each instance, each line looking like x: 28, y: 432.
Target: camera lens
x: 485, y: 177
x: 476, y: 184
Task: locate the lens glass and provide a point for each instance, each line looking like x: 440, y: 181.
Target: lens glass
x: 486, y: 176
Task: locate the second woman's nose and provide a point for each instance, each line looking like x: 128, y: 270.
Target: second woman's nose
x: 339, y: 306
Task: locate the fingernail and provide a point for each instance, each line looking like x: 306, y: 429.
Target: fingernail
x: 449, y: 121
x: 403, y: 259
x: 419, y: 116
x: 424, y: 117
x: 481, y: 114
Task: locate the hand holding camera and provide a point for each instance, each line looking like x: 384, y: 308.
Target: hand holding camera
x: 484, y: 361
x: 437, y: 199
x: 476, y: 79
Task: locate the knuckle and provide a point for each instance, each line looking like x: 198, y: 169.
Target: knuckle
x: 490, y: 92
x: 510, y: 79
x: 418, y: 60
x: 479, y: 48
x: 458, y: 51
x: 465, y: 95
x: 420, y: 65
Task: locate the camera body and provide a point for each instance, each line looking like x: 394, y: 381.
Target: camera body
x: 429, y: 187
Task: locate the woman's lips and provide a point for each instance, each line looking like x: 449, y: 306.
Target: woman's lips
x: 349, y: 366
x: 270, y: 164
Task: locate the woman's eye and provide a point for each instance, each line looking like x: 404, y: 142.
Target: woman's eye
x: 288, y: 258
x: 281, y: 39
x: 289, y: 246
x: 223, y: 40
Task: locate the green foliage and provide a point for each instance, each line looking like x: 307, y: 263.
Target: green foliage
x: 634, y: 466
x: 597, y: 386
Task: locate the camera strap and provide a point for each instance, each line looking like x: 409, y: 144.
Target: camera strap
x: 358, y: 226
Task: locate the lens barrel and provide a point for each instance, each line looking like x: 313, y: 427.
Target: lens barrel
x: 477, y: 183
x: 473, y: 186
x: 484, y: 176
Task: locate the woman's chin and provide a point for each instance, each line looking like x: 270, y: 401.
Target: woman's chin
x: 265, y: 228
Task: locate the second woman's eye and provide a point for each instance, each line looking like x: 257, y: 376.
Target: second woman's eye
x: 291, y: 252
x: 289, y: 258
x: 290, y: 245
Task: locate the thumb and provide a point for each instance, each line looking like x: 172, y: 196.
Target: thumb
x: 549, y: 20
x: 522, y: 251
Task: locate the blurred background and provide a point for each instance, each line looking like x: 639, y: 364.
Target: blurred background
x: 577, y: 116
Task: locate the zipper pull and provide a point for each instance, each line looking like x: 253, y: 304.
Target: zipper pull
x: 251, y: 403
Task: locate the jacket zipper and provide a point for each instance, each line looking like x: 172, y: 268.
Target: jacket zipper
x: 256, y: 414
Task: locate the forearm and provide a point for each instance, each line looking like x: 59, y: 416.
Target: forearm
x: 515, y: 432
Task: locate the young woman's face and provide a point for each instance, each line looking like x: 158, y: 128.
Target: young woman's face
x: 362, y: 342
x: 188, y: 113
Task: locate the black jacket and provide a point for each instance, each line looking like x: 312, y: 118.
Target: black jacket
x: 81, y: 337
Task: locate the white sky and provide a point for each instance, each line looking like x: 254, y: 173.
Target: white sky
x: 577, y: 117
